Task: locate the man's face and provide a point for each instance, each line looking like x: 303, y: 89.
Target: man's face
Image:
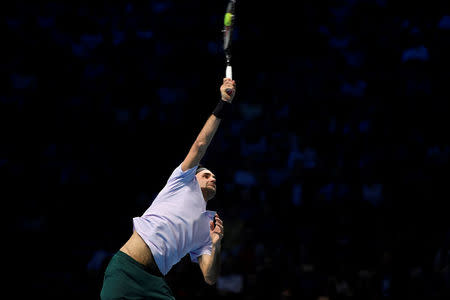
x: 207, y: 182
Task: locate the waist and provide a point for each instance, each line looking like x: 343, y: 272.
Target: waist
x: 138, y: 250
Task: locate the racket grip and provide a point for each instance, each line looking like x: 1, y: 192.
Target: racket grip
x: 229, y: 72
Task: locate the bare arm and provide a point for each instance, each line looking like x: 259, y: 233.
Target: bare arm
x: 210, y: 264
x: 198, y: 149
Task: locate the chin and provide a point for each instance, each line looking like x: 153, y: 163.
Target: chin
x: 209, y: 192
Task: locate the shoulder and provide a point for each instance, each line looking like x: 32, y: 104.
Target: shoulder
x: 179, y: 174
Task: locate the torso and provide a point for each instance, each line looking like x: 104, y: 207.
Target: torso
x: 136, y: 248
x: 175, y: 224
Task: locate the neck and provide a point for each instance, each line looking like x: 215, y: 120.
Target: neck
x: 205, y: 195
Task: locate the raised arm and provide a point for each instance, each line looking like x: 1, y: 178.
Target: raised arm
x: 198, y: 149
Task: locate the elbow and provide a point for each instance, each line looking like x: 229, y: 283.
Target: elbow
x: 210, y: 281
x: 201, y: 146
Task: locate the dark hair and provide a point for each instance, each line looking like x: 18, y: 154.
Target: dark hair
x: 199, y: 168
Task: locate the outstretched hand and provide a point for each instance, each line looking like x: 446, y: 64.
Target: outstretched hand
x: 216, y: 232
x: 228, y: 90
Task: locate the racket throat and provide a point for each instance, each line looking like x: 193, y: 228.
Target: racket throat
x: 228, y: 57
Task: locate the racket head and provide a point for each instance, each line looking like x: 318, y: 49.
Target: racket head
x: 228, y: 26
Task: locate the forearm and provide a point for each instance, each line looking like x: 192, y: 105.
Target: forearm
x: 212, y: 268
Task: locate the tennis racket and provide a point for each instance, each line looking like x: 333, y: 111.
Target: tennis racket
x: 227, y: 31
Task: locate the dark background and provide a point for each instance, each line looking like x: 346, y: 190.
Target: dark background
x: 332, y: 171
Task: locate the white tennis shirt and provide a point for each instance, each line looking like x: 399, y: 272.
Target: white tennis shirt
x: 177, y: 222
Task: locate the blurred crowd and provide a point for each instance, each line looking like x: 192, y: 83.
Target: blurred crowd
x: 332, y: 172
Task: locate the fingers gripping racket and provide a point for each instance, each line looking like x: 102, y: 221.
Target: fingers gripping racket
x: 227, y: 31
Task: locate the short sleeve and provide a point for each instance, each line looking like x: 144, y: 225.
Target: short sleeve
x: 206, y: 249
x: 179, y: 178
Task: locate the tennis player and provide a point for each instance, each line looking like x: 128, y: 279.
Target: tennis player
x: 175, y: 224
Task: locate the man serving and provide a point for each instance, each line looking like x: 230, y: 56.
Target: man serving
x: 175, y: 224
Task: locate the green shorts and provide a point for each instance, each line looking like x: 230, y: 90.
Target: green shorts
x: 125, y: 278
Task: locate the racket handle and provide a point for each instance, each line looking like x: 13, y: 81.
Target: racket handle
x: 229, y: 74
